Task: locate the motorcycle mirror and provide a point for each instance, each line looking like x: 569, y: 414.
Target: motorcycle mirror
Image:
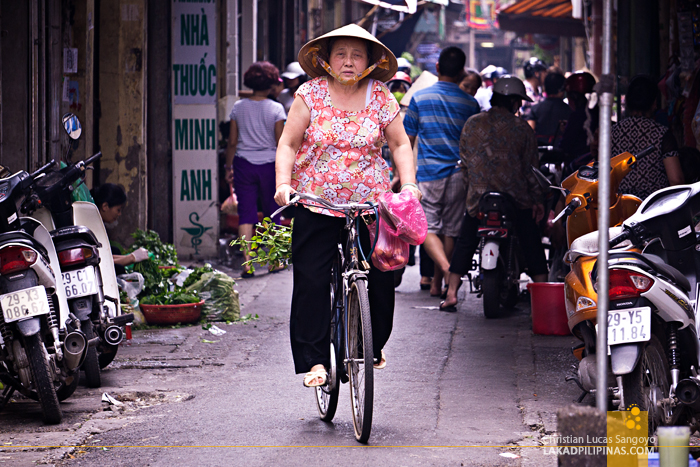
x: 544, y: 182
x: 71, y: 124
x: 541, y: 178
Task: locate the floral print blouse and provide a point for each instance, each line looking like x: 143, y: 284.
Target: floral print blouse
x: 340, y: 159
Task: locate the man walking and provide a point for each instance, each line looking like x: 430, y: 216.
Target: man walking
x: 436, y: 116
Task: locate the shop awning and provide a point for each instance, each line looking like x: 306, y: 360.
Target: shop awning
x: 541, y: 17
x: 405, y: 6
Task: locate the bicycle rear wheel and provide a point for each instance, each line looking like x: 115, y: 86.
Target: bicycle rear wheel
x: 360, y: 360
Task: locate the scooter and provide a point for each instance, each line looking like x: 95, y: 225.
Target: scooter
x: 652, y: 321
x: 581, y: 211
x: 86, y: 261
x: 39, y: 355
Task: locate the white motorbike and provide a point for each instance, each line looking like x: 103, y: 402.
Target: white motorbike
x: 652, y: 321
x: 41, y: 345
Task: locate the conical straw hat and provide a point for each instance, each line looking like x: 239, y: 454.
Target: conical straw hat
x: 351, y: 30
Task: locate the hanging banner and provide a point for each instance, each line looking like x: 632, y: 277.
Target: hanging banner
x: 194, y: 52
x: 482, y: 14
x: 194, y: 129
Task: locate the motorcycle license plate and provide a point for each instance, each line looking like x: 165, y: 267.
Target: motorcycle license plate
x: 24, y: 303
x: 630, y: 325
x: 80, y: 282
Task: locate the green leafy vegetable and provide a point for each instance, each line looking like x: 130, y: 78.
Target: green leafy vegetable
x: 163, y: 253
x: 271, y: 245
x: 197, y: 274
x: 154, y: 282
x: 178, y: 297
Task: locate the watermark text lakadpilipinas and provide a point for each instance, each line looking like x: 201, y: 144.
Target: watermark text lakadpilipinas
x: 626, y: 441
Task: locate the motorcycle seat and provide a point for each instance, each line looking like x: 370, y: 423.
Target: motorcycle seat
x: 669, y: 271
x: 587, y: 245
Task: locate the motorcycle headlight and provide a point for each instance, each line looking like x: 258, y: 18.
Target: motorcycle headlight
x: 584, y: 302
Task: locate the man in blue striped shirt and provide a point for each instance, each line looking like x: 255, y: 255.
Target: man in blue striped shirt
x: 436, y: 116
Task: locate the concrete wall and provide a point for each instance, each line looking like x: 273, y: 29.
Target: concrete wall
x: 14, y: 80
x: 158, y: 149
x: 122, y: 128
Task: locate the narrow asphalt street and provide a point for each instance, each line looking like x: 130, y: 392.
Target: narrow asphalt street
x: 458, y: 390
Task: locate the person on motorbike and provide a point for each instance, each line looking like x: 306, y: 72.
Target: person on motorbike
x: 497, y: 150
x: 535, y: 71
x: 583, y: 122
x: 548, y: 117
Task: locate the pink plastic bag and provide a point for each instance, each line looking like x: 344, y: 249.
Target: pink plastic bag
x: 404, y: 216
x: 390, y: 252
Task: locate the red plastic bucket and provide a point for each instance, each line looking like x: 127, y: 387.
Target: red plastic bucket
x: 548, y: 308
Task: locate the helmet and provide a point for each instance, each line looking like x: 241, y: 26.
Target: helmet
x: 581, y: 82
x: 511, y: 86
x: 488, y: 71
x: 404, y: 64
x: 499, y: 72
x: 401, y: 76
x: 293, y: 71
x: 533, y: 65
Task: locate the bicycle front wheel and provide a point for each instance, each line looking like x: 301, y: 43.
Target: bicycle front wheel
x: 327, y: 396
x: 360, y: 361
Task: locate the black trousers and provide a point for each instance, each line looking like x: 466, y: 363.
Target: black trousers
x: 314, y: 245
x: 528, y: 235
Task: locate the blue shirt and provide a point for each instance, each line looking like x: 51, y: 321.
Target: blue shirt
x: 437, y: 115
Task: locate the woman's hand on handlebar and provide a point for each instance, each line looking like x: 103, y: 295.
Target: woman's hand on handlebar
x: 283, y: 193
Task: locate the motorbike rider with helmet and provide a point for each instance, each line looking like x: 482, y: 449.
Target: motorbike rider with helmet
x: 293, y: 77
x: 404, y: 65
x: 580, y: 129
x: 535, y: 71
x: 399, y: 84
x: 497, y: 150
x: 490, y: 76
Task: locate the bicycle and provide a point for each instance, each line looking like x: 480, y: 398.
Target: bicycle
x: 351, y: 324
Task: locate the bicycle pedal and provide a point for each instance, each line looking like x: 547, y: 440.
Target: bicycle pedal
x: 365, y: 265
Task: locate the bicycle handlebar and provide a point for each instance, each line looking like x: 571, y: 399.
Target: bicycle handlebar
x: 328, y: 204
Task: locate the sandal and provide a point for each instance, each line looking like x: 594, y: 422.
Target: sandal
x: 382, y: 362
x: 311, y: 378
x: 448, y: 308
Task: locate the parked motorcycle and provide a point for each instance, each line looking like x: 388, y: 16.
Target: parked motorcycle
x: 581, y: 190
x: 652, y: 320
x: 85, y: 259
x: 41, y: 345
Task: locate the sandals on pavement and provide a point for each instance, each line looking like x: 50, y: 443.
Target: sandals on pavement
x: 382, y: 362
x: 311, y: 379
x: 448, y: 308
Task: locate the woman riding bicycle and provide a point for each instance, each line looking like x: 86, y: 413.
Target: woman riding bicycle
x: 331, y: 147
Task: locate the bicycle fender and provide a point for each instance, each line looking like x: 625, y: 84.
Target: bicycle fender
x: 29, y: 327
x: 489, y: 255
x: 624, y: 357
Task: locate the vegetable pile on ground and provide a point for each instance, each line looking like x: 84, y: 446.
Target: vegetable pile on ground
x: 160, y: 277
x: 176, y: 297
x: 217, y: 289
